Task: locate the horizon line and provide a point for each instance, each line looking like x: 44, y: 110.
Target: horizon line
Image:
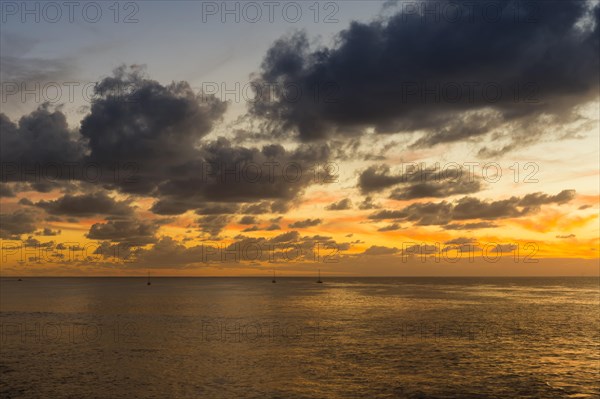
x: 296, y: 276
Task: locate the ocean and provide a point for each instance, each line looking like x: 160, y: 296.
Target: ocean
x: 346, y: 338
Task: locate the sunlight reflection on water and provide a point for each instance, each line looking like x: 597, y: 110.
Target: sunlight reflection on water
x: 367, y: 338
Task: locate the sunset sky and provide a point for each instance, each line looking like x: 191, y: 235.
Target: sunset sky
x: 358, y: 138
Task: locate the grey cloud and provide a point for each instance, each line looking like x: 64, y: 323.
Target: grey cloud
x: 170, y: 252
x: 467, y: 208
x: 435, y: 190
x: 388, y: 214
x: 42, y: 138
x: 460, y: 241
x: 98, y: 203
x: 290, y: 236
x: 305, y: 223
x: 391, y: 227
x: 341, y: 205
x: 470, y: 226
x: 12, y: 225
x: 213, y: 224
x: 368, y: 204
x: 132, y: 231
x: 266, y: 179
x: 427, y: 183
x: 247, y: 220
x: 216, y: 209
x: 377, y: 73
x: 380, y: 250
x: 48, y: 232
x: 473, y: 208
x: 149, y: 139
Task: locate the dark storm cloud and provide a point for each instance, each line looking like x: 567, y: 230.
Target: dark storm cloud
x: 422, y: 183
x: 137, y: 129
x: 266, y: 179
x: 213, y: 224
x: 12, y: 225
x: 247, y: 220
x: 159, y: 129
x: 259, y: 208
x: 305, y: 223
x: 377, y: 178
x: 341, y: 205
x: 148, y: 121
x: 467, y: 208
x: 216, y: 209
x: 167, y: 206
x: 486, y: 74
x: 86, y: 205
x: 47, y: 232
x: 40, y: 139
x: 138, y: 121
x: 131, y: 231
x: 429, y: 213
x: 149, y: 139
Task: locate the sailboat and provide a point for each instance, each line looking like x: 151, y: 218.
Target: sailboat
x: 273, y: 281
x: 319, y: 280
x: 148, y: 283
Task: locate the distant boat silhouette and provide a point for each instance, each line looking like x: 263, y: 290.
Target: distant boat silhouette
x: 273, y: 281
x: 319, y: 280
x: 148, y: 283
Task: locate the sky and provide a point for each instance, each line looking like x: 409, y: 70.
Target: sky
x: 358, y: 138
